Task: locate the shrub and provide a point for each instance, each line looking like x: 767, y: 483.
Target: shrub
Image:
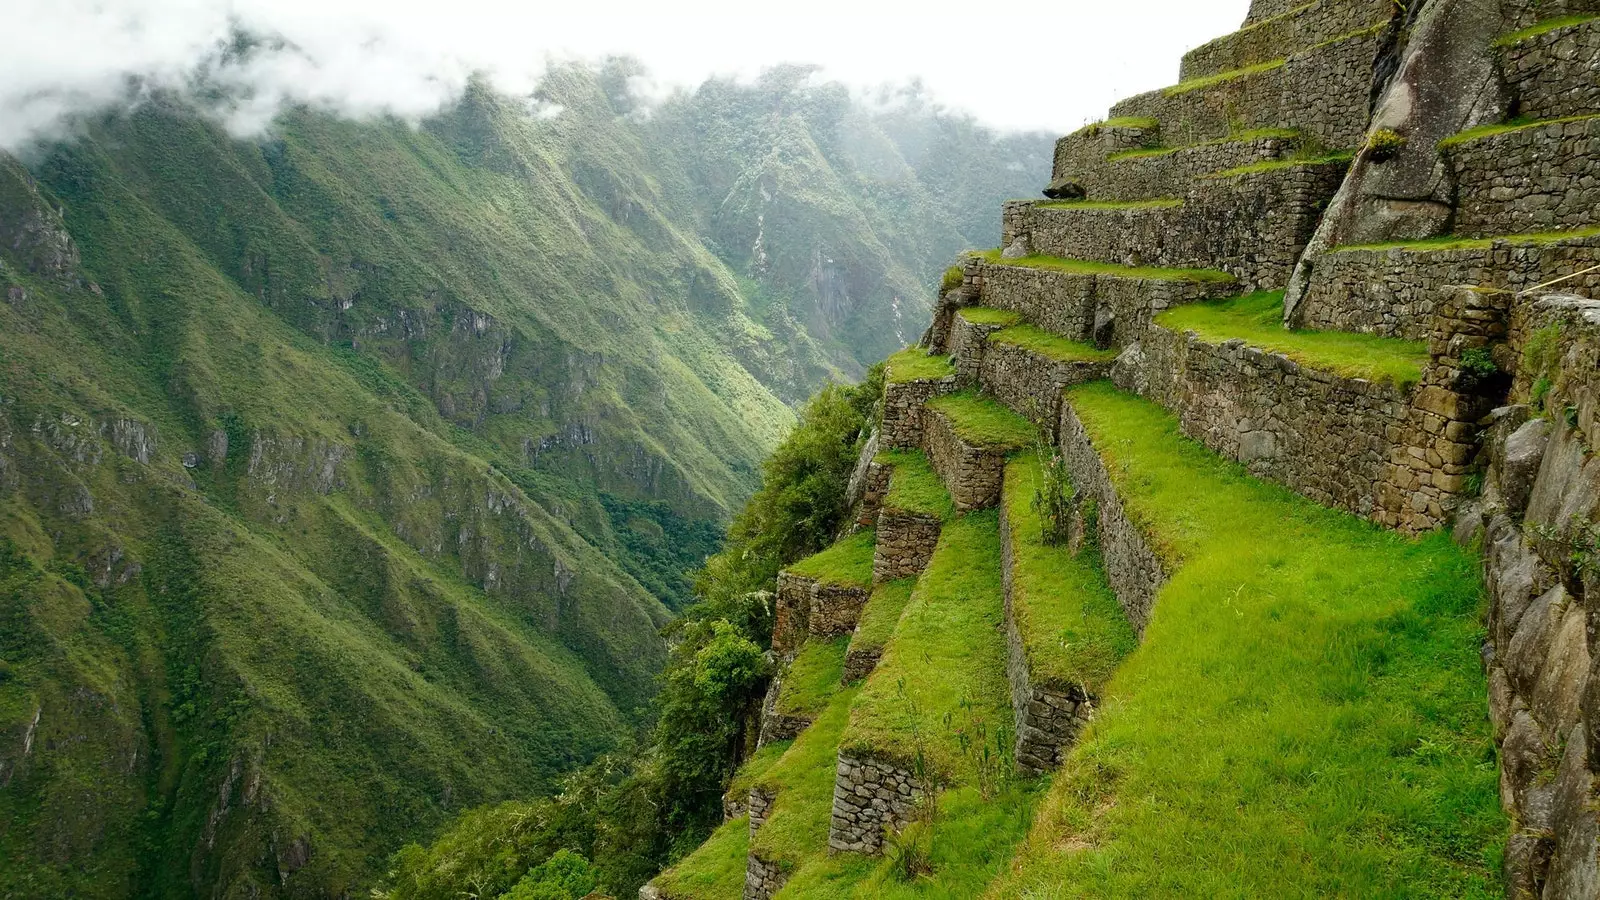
x: 952, y: 280
x: 1385, y: 144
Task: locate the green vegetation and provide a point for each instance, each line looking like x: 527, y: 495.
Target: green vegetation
x: 1277, y: 165
x: 881, y: 614
x: 847, y: 562
x: 951, y: 280
x: 813, y: 677
x: 1195, y: 84
x: 755, y: 767
x: 1448, y: 242
x: 803, y: 784
x: 1384, y: 144
x: 915, y: 364
x: 914, y: 487
x: 1254, y: 134
x: 1333, y: 656
x: 1544, y: 27
x: 1519, y: 124
x: 947, y: 649
x: 715, y: 870
x: 1073, y: 629
x: 1050, y: 344
x: 1140, y: 122
x: 980, y: 420
x: 1257, y: 319
x: 983, y: 315
x: 1115, y: 270
x: 1157, y: 203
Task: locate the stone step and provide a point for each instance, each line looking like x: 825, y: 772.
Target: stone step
x: 823, y: 595
x: 1377, y: 427
x: 1393, y: 289
x: 1553, y: 69
x: 1065, y: 632
x: 1251, y: 222
x: 941, y: 676
x: 1157, y: 171
x: 877, y: 625
x: 800, y: 691
x: 1025, y: 367
x: 915, y: 507
x: 1266, y: 39
x: 1322, y: 90
x: 968, y: 438
x: 1071, y: 297
x: 1535, y: 176
x: 911, y: 378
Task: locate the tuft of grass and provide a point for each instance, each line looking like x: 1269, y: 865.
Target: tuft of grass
x: 1156, y: 203
x: 914, y: 487
x: 1073, y: 630
x: 1115, y: 270
x: 1257, y: 319
x: 848, y: 562
x: 1254, y: 134
x: 1140, y: 122
x: 951, y: 279
x: 1507, y: 127
x: 716, y: 869
x: 882, y: 612
x: 813, y: 677
x: 983, y: 315
x: 1196, y: 84
x: 981, y: 420
x: 1277, y: 165
x: 1545, y: 27
x: 1050, y: 344
x: 1307, y: 691
x: 914, y: 364
x: 1450, y: 242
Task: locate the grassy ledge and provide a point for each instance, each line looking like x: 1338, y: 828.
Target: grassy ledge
x: 947, y: 647
x: 716, y: 869
x: 1488, y: 131
x: 1254, y: 134
x: 1196, y: 84
x: 848, y: 562
x: 983, y: 315
x: 1072, y: 626
x: 1449, y: 242
x: 914, y: 487
x: 756, y: 767
x: 813, y: 677
x: 914, y: 364
x: 1307, y: 692
x: 1050, y: 344
x: 881, y: 614
x: 1545, y: 27
x: 980, y: 420
x: 1277, y: 165
x: 1155, y: 203
x: 1139, y: 122
x: 1114, y: 270
x: 1257, y: 319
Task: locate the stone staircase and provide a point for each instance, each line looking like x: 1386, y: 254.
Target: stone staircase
x: 1128, y: 338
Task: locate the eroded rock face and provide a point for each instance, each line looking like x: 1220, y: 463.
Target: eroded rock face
x: 32, y: 233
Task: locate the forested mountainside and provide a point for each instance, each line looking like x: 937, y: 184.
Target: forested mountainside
x: 348, y: 475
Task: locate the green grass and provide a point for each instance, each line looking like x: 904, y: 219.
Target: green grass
x: 1276, y: 165
x: 1304, y: 717
x: 848, y: 562
x: 1545, y: 27
x: 1195, y: 84
x: 715, y: 870
x: 881, y: 614
x: 914, y: 487
x: 1050, y: 344
x: 1254, y: 134
x: 1119, y: 122
x: 983, y: 315
x: 813, y: 677
x: 947, y: 647
x: 1155, y: 203
x: 1520, y: 124
x: 914, y: 364
x: 1449, y: 242
x: 755, y: 768
x: 1072, y: 627
x: 1257, y: 319
x: 981, y: 420
x: 1089, y: 267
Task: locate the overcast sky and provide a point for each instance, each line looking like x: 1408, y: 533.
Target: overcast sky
x: 1021, y: 64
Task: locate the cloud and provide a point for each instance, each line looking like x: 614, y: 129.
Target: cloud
x: 1030, y: 65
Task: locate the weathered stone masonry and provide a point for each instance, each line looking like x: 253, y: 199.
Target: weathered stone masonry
x: 1554, y: 74
x: 903, y: 410
x: 1031, y: 382
x: 869, y: 796
x: 762, y: 879
x: 806, y: 607
x: 970, y: 472
x: 1265, y: 39
x: 1537, y: 178
x: 905, y: 544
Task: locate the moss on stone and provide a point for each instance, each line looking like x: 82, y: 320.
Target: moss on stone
x: 1140, y: 122
x: 1276, y: 165
x: 813, y: 677
x: 915, y: 364
x: 980, y: 420
x: 1257, y: 319
x: 914, y: 487
x: 1050, y: 344
x: 983, y: 315
x: 1115, y: 270
x: 847, y: 563
x: 1254, y: 134
x: 1544, y: 27
x: 1488, y: 131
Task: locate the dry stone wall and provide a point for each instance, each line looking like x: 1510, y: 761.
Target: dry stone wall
x: 1088, y: 148
x: 971, y: 473
x: 759, y: 805
x: 905, y: 544
x: 774, y: 725
x: 761, y: 878
x: 859, y: 663
x: 1031, y: 383
x: 1171, y: 173
x: 1539, y: 178
x: 967, y: 342
x: 903, y: 410
x: 806, y: 607
x: 869, y: 796
x: 1553, y: 75
x: 1270, y: 38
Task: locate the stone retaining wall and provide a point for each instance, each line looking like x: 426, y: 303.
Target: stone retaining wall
x: 1169, y: 174
x: 1047, y: 717
x: 869, y: 796
x: 1553, y: 75
x: 905, y: 544
x: 1031, y: 383
x: 761, y: 878
x: 1395, y: 292
x: 759, y: 805
x: 858, y: 664
x: 1321, y: 90
x: 1270, y: 38
x: 806, y: 607
x: 1087, y: 148
x: 774, y: 726
x: 903, y: 410
x: 967, y: 341
x: 1132, y: 567
x: 971, y: 473
x: 1533, y: 179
